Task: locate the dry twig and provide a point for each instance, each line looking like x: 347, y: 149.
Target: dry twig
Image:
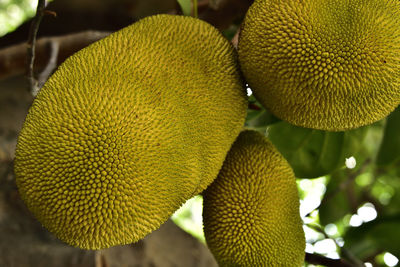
x: 40, y: 11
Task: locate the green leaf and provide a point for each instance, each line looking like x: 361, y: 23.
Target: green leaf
x: 186, y: 6
x: 335, y: 204
x: 314, y: 153
x: 389, y: 151
x: 260, y: 118
x: 382, y: 234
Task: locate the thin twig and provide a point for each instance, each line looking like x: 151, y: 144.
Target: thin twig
x: 195, y: 12
x: 33, y: 83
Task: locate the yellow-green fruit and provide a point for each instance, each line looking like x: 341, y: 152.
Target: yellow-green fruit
x: 129, y: 128
x: 251, y: 211
x: 329, y: 65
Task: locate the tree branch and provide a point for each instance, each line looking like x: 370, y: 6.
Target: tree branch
x: 112, y: 15
x: 347, y: 254
x: 322, y: 260
x: 13, y: 59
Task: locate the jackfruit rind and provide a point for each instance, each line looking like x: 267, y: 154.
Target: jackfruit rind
x: 251, y: 211
x: 129, y: 128
x: 329, y: 66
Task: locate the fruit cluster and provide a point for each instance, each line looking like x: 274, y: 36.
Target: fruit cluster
x: 129, y: 128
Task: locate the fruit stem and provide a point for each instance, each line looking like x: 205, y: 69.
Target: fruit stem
x: 195, y: 14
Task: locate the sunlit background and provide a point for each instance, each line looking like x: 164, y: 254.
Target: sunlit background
x: 322, y: 240
x: 14, y: 12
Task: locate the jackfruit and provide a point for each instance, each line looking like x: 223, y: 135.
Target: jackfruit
x: 324, y: 65
x: 129, y: 128
x: 251, y: 211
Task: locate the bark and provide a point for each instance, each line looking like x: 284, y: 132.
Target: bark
x: 13, y: 59
x: 321, y: 260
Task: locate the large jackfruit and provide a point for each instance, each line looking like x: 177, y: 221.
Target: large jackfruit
x: 329, y: 65
x: 129, y: 128
x: 251, y: 211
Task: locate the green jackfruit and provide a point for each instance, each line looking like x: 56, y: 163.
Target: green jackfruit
x: 324, y: 65
x: 128, y: 129
x: 251, y: 211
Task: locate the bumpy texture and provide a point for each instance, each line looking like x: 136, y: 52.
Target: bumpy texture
x: 129, y: 128
x: 325, y: 65
x: 251, y: 211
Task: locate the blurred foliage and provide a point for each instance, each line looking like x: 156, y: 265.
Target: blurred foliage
x: 14, y: 12
x: 373, y: 237
x: 186, y: 6
x: 189, y: 217
x: 314, y: 153
x: 337, y: 205
x: 389, y: 150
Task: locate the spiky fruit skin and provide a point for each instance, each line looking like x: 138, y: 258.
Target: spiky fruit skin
x: 329, y: 66
x: 251, y: 211
x: 128, y: 129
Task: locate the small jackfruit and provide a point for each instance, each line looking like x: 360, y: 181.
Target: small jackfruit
x: 128, y: 129
x: 324, y: 65
x: 251, y: 211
